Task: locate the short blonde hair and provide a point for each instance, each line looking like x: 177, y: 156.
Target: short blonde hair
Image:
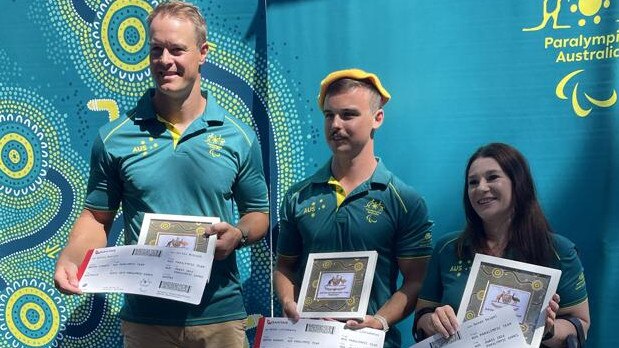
x: 184, y: 10
x: 346, y: 84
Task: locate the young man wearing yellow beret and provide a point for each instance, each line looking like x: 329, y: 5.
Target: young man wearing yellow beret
x: 354, y: 203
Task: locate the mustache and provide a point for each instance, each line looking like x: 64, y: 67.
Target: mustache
x: 336, y: 134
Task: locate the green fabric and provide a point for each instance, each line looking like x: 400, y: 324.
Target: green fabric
x: 447, y: 275
x: 217, y: 160
x: 381, y: 214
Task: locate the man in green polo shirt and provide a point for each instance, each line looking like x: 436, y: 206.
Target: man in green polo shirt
x: 177, y: 152
x: 354, y: 203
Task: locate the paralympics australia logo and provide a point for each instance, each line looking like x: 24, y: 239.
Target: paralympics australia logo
x: 569, y: 24
x: 373, y: 208
x: 215, y: 144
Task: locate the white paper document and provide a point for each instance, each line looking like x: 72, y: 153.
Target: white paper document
x: 499, y: 329
x: 282, y: 333
x: 171, y: 273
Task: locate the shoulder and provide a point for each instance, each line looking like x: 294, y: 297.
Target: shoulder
x: 142, y: 112
x: 406, y: 194
x: 563, y: 247
x: 404, y: 189
x: 114, y: 127
x: 300, y: 187
x: 218, y: 116
x: 305, y: 186
x: 242, y: 128
x: 447, y: 242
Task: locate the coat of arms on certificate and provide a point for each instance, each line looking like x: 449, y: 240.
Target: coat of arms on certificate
x: 176, y: 231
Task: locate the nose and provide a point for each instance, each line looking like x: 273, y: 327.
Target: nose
x: 166, y: 57
x: 336, y: 121
x: 483, y: 185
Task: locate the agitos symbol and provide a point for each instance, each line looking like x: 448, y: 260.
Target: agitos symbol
x: 578, y: 109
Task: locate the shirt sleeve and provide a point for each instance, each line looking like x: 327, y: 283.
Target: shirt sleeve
x: 289, y: 241
x: 572, y: 286
x: 104, y: 190
x: 415, y: 228
x: 432, y: 288
x: 250, y: 189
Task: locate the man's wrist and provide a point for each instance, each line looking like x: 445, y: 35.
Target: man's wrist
x: 244, y: 241
x: 383, y: 322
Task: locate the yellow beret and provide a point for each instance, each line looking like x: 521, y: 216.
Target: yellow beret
x: 355, y: 74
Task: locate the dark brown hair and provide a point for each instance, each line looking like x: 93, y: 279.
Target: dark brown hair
x: 529, y: 231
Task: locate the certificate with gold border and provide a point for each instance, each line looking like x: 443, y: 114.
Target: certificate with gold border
x: 337, y: 285
x: 177, y: 231
x: 498, y: 283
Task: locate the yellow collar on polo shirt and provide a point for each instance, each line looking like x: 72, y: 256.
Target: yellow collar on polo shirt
x: 176, y: 134
x: 340, y: 193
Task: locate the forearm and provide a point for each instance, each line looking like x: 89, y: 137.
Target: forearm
x: 87, y: 233
x: 284, y: 285
x: 284, y: 288
x: 256, y: 224
x: 401, y: 303
x: 562, y: 329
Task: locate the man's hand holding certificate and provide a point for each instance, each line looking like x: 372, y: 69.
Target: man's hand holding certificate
x: 175, y: 264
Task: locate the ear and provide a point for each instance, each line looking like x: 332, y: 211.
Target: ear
x: 203, y: 52
x: 379, y: 116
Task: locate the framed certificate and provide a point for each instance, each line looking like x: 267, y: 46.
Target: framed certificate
x: 337, y: 285
x: 177, y: 231
x: 498, y: 283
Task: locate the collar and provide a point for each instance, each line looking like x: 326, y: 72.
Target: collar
x: 381, y: 175
x: 213, y: 113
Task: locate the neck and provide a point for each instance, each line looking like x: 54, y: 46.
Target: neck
x: 497, y: 236
x: 352, y: 171
x: 180, y: 110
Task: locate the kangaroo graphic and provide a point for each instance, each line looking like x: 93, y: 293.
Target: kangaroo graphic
x: 547, y: 15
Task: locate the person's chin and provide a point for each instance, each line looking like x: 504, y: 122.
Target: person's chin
x: 167, y: 88
x: 484, y: 211
x: 489, y: 214
x: 345, y: 151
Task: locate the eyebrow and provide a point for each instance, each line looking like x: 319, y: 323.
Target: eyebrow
x: 152, y: 42
x: 491, y: 171
x: 344, y: 110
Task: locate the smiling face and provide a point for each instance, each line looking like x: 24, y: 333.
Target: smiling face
x: 175, y: 56
x: 350, y: 121
x: 489, y: 190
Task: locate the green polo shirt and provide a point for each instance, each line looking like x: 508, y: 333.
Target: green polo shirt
x: 447, y: 275
x: 381, y: 214
x: 139, y: 163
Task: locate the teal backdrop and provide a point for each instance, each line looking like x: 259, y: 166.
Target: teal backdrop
x: 538, y: 74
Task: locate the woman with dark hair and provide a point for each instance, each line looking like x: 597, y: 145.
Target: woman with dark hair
x: 503, y: 219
